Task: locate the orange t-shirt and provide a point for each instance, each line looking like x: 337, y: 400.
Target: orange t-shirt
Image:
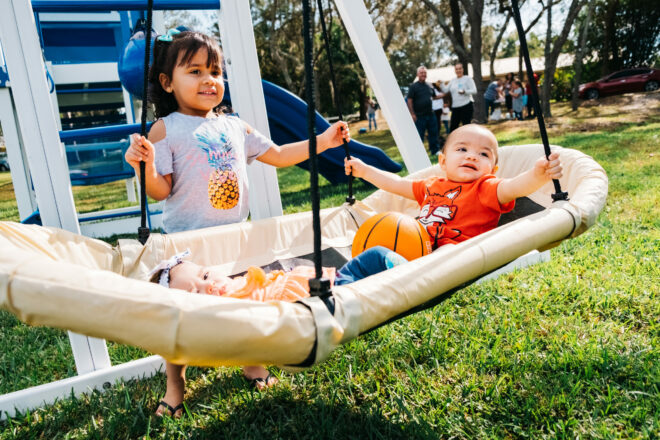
x: 452, y: 212
x: 277, y: 285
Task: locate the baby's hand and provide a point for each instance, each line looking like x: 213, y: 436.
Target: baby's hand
x: 140, y: 150
x: 548, y: 168
x: 334, y: 136
x: 354, y: 165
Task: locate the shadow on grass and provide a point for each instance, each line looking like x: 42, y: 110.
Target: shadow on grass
x: 285, y: 416
x: 222, y: 407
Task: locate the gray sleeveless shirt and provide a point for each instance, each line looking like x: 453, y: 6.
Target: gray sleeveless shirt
x: 207, y: 158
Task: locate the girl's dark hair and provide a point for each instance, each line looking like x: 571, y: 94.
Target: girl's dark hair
x: 182, y: 48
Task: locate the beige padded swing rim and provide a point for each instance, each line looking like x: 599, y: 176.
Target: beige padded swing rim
x: 54, y: 278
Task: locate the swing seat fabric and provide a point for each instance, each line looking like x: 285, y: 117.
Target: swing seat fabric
x: 51, y: 277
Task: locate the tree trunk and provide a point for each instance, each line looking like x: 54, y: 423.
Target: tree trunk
x: 475, y: 40
x: 475, y: 10
x: 545, y: 90
x: 609, y: 45
x: 552, y: 51
x: 498, y: 40
x: 363, y: 101
x: 579, y: 54
x: 458, y: 33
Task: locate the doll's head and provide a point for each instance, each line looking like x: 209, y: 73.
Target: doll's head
x: 177, y: 273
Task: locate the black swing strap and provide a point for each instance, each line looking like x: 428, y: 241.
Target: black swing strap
x: 318, y: 286
x: 559, y: 194
x: 335, y: 87
x: 143, y: 230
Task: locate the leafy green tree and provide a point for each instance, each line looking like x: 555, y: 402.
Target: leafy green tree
x: 623, y: 33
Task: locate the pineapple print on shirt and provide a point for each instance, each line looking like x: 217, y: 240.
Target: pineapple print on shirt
x: 223, y: 181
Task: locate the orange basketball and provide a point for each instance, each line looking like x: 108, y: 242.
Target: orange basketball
x: 395, y: 231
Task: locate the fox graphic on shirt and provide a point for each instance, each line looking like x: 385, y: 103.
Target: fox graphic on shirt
x: 439, y: 210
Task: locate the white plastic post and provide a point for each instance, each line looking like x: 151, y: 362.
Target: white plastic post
x: 44, y: 151
x: 381, y: 78
x: 20, y: 176
x: 247, y: 98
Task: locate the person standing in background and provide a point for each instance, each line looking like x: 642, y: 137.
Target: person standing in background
x: 490, y: 96
x: 437, y: 104
x: 446, y: 115
x: 508, y: 83
x: 528, y: 93
x: 419, y: 98
x: 517, y: 95
x: 371, y: 113
x: 461, y: 89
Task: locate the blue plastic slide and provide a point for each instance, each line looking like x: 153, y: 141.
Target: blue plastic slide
x: 287, y: 120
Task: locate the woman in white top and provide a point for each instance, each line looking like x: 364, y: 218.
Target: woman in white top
x: 462, y: 88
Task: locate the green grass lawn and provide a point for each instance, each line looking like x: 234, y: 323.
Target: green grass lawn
x: 565, y: 349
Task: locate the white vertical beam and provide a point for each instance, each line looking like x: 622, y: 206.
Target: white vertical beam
x: 20, y: 175
x: 381, y: 78
x: 247, y: 98
x: 45, y: 153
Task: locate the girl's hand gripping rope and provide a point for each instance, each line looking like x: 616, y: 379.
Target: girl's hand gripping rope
x: 334, y: 136
x: 140, y: 150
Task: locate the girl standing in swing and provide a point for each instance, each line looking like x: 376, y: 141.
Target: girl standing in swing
x: 196, y: 157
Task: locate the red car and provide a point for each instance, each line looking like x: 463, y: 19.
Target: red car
x: 641, y: 79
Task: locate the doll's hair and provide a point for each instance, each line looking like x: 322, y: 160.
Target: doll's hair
x: 177, y: 52
x: 155, y: 278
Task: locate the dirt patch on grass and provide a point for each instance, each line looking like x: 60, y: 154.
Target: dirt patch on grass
x: 642, y: 102
x: 604, y: 114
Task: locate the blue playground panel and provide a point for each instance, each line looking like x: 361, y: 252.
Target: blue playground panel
x: 79, y: 43
x: 97, y: 163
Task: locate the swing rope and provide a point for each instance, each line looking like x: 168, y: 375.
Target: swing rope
x: 337, y: 95
x: 515, y: 11
x: 143, y: 230
x: 318, y: 286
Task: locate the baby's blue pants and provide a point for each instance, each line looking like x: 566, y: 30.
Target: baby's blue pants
x: 369, y: 262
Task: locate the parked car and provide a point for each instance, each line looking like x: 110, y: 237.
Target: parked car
x: 642, y: 79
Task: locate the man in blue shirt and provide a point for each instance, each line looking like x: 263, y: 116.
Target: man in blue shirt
x: 420, y: 94
x: 490, y: 96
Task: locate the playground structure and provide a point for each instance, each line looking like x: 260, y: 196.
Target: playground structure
x: 95, y: 114
x: 41, y: 176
